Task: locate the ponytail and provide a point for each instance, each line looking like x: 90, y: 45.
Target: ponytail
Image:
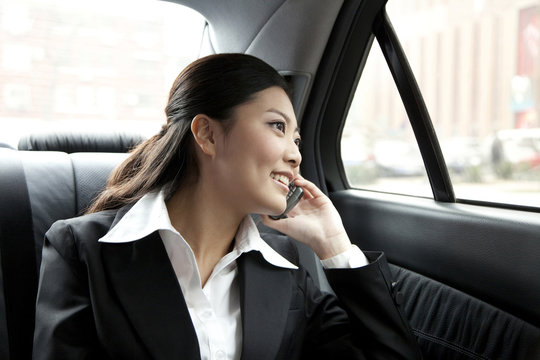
x: 158, y: 163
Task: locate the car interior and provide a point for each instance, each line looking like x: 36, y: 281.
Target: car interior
x: 466, y: 273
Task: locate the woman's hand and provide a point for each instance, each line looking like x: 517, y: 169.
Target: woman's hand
x: 314, y: 221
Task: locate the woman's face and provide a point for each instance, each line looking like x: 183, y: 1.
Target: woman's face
x: 258, y: 157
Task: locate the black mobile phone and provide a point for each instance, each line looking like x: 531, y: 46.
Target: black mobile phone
x: 293, y: 197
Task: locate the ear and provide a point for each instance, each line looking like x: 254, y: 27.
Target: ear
x: 203, y: 129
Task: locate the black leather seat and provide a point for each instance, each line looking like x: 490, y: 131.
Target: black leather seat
x: 70, y: 142
x: 36, y: 189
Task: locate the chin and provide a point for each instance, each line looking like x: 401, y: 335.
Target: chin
x: 274, y: 210
x: 270, y: 205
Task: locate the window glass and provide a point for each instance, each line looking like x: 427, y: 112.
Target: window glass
x: 378, y: 147
x: 104, y: 65
x: 477, y: 64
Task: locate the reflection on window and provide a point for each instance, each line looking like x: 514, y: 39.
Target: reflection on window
x: 378, y: 147
x: 91, y: 65
x: 478, y: 67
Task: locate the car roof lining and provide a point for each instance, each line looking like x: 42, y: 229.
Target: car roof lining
x: 274, y: 31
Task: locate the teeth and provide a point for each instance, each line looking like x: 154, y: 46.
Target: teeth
x: 281, y: 178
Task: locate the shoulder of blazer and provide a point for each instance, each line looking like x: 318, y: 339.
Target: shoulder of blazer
x: 70, y: 236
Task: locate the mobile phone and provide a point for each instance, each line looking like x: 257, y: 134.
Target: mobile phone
x: 293, y: 197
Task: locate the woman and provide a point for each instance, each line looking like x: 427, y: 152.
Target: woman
x: 168, y: 263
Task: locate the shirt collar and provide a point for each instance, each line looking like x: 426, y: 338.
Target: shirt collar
x: 248, y: 238
x: 146, y: 216
x: 150, y: 214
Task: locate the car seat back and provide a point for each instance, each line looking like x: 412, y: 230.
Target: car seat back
x: 36, y: 189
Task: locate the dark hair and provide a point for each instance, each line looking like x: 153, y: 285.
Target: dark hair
x: 214, y: 86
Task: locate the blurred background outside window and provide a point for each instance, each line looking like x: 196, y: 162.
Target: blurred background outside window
x: 91, y: 65
x: 477, y: 63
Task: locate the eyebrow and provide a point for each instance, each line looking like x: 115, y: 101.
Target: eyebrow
x: 288, y: 119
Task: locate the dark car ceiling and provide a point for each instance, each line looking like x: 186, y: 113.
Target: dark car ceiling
x: 290, y: 35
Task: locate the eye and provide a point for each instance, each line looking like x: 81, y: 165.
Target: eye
x: 298, y: 142
x: 279, y: 125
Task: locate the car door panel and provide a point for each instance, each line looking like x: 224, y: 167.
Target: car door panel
x: 488, y: 253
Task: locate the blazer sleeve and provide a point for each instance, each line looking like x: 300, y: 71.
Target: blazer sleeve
x: 64, y: 327
x: 374, y: 326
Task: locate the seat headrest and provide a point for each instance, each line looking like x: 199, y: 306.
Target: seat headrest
x: 70, y: 142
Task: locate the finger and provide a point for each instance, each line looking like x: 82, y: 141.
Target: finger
x: 309, y: 186
x: 307, y: 194
x: 304, y: 184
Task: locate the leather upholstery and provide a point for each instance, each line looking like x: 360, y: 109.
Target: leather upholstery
x: 80, y: 142
x: 90, y: 172
x: 59, y: 186
x: 62, y: 185
x: 452, y: 325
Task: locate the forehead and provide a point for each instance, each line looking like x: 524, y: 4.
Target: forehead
x: 269, y: 102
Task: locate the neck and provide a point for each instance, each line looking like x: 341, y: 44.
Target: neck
x: 207, y: 224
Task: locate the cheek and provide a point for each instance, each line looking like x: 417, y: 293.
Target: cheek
x: 252, y: 152
x: 268, y: 150
x: 259, y: 149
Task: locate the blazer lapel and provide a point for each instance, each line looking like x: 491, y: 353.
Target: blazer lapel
x: 265, y: 293
x: 145, y: 283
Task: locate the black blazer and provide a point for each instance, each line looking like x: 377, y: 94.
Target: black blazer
x: 123, y: 301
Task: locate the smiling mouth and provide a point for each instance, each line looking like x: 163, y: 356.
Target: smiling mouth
x: 281, y: 178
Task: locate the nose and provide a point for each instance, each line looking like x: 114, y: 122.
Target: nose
x: 293, y: 156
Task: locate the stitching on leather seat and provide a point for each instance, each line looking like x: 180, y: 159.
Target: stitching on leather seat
x: 449, y: 345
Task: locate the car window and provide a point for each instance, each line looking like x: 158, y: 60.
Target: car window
x: 476, y: 63
x: 91, y: 65
x: 378, y: 147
